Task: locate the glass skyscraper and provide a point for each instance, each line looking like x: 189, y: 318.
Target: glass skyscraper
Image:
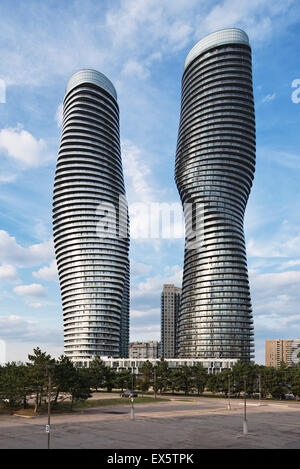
x: 215, y: 162
x: 90, y: 221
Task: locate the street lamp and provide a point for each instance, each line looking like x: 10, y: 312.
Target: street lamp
x: 131, y: 398
x: 259, y: 388
x: 154, y: 371
x: 132, y: 410
x: 132, y: 378
x: 48, y: 371
x: 245, y: 424
x: 229, y: 406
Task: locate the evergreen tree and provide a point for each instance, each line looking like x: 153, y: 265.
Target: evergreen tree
x: 295, y: 382
x: 123, y: 380
x: 239, y: 370
x: 174, y: 381
x: 97, y: 372
x: 147, y: 371
x: 80, y: 385
x: 186, y: 379
x: 162, y: 372
x: 110, y: 378
x: 63, y: 376
x: 14, y: 384
x: 37, y: 373
x: 200, y: 377
x: 212, y: 384
x: 222, y: 381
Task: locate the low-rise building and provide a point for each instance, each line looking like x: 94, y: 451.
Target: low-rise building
x: 134, y: 364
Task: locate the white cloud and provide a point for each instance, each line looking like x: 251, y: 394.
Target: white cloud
x: 59, y: 115
x: 41, y: 229
x: 34, y: 290
x: 152, y: 286
x: 259, y: 18
x: 290, y: 263
x: 126, y: 30
x: 23, y: 147
x: 6, y: 178
x: 268, y: 98
x: 153, y: 312
x: 47, y: 273
x: 281, y: 158
x: 139, y: 189
x: 135, y: 69
x: 279, y: 245
x: 138, y: 269
x: 132, y: 36
x: 143, y: 333
x: 271, y: 284
x: 137, y: 173
x: 276, y: 299
x: 18, y: 349
x: 13, y: 324
x: 143, y: 197
x: 150, y: 23
x: 21, y: 335
x: 12, y: 253
x: 36, y: 305
x: 8, y: 273
x: 55, y: 44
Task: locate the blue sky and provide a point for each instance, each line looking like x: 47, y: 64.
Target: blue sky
x: 141, y: 46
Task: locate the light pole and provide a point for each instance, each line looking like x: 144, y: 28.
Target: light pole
x: 245, y: 424
x: 131, y: 399
x: 229, y: 406
x: 259, y: 388
x: 132, y: 378
x: 132, y: 410
x: 48, y: 370
x: 154, y: 381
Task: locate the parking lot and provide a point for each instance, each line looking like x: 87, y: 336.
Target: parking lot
x: 194, y: 423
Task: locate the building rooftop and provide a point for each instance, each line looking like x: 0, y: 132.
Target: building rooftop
x: 91, y: 76
x: 224, y: 36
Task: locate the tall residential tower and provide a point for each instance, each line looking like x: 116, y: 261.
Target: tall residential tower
x: 215, y: 163
x: 278, y: 351
x: 90, y: 221
x: 170, y: 306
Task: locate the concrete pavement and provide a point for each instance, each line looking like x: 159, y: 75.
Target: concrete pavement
x: 176, y: 424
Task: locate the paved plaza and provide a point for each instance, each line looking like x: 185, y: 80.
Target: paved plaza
x: 177, y: 424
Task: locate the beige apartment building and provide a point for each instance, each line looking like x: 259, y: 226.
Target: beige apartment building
x: 278, y: 351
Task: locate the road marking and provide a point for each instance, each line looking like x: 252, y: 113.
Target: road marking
x: 179, y: 401
x: 24, y: 416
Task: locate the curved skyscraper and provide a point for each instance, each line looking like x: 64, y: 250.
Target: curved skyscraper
x: 215, y: 163
x: 90, y: 221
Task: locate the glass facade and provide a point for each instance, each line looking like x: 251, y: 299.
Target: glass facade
x: 215, y: 162
x: 92, y: 260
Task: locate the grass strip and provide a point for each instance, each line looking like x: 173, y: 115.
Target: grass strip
x: 65, y: 407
